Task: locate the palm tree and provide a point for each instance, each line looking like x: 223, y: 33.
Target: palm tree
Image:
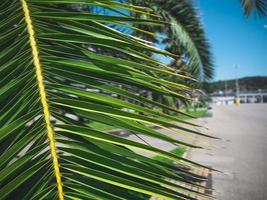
x: 185, y: 36
x: 51, y: 78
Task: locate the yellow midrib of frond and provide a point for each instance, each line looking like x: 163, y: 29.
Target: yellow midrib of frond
x: 43, y: 98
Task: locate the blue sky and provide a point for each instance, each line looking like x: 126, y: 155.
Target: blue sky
x: 234, y: 39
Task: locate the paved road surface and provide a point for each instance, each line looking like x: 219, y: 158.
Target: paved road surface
x: 241, y: 154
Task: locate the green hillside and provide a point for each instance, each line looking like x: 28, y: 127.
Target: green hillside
x: 245, y: 84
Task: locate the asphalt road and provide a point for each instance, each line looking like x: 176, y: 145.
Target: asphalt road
x: 241, y: 153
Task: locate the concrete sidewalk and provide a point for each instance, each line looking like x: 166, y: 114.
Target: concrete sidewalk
x: 241, y: 154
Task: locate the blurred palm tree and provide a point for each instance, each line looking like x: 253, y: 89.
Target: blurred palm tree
x: 183, y: 36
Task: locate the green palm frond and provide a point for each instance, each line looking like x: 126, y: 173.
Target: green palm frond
x: 54, y: 84
x: 186, y: 36
x: 254, y: 6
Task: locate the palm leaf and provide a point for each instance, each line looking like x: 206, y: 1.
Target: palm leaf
x: 254, y: 6
x: 55, y: 84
